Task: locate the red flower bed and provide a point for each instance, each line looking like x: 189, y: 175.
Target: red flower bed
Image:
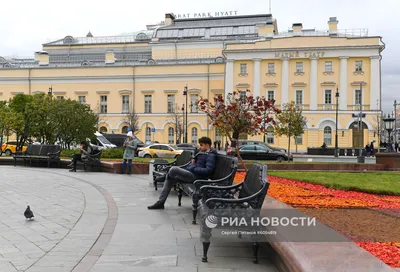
x: 302, y: 194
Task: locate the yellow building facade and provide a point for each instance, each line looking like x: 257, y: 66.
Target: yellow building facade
x: 148, y: 70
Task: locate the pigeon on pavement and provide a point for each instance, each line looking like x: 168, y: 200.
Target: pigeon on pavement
x: 28, y: 213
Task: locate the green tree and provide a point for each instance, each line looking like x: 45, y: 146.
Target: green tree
x: 290, y: 122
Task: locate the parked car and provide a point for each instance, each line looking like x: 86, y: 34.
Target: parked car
x: 191, y: 147
x: 119, y: 139
x: 262, y: 153
x: 250, y: 142
x: 10, y: 148
x: 160, y: 151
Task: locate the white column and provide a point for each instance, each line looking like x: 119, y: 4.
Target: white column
x: 256, y: 77
x: 285, y: 81
x: 228, y: 77
x: 374, y: 87
x: 314, y: 84
x: 343, y: 83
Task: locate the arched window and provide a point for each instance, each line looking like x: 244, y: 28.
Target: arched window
x: 194, y: 135
x: 328, y: 135
x: 148, y: 134
x: 171, y: 135
x: 124, y: 129
x: 103, y: 129
x: 270, y: 135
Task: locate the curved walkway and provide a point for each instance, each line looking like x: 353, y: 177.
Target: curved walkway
x: 99, y: 222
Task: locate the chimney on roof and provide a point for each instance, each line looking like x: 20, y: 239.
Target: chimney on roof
x: 42, y: 57
x: 333, y: 24
x: 297, y: 27
x: 89, y: 35
x: 169, y: 18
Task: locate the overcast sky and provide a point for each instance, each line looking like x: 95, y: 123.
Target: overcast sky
x: 26, y: 24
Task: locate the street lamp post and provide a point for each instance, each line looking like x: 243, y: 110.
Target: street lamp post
x: 50, y: 92
x: 395, y: 137
x: 337, y: 113
x: 183, y: 122
x: 389, y: 121
x: 185, y: 93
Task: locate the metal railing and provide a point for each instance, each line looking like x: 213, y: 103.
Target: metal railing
x: 303, y: 106
x: 357, y: 32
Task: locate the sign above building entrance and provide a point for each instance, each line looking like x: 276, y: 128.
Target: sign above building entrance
x: 297, y: 54
x: 206, y: 14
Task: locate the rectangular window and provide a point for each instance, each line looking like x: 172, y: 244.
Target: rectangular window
x: 193, y: 101
x: 243, y: 95
x: 270, y: 135
x: 125, y: 103
x: 328, y: 66
x: 171, y: 103
x: 358, y: 66
x: 298, y: 140
x: 299, y: 67
x: 271, y: 68
x: 60, y: 97
x: 271, y: 95
x: 82, y: 99
x: 357, y: 97
x: 299, y: 97
x: 328, y: 96
x: 243, y: 68
x: 103, y: 104
x: 147, y: 103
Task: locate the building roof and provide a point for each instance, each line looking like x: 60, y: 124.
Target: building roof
x: 214, y: 28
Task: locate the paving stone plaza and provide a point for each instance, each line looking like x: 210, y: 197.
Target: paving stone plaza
x: 99, y: 222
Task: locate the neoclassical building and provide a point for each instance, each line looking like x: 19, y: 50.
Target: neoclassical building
x: 148, y: 70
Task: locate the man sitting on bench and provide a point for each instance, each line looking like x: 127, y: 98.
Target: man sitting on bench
x: 201, y: 167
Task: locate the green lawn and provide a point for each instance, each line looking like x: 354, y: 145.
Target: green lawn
x: 376, y: 182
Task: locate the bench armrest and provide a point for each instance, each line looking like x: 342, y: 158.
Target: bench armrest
x: 200, y: 182
x: 246, y: 202
x: 163, y: 166
x: 208, y: 191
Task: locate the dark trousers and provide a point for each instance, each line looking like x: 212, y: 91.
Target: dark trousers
x: 129, y: 166
x: 75, y: 158
x: 175, y: 174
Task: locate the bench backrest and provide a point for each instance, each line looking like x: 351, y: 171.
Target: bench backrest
x: 33, y: 150
x: 225, y: 165
x: 255, y: 181
x: 183, y: 158
x: 53, y: 149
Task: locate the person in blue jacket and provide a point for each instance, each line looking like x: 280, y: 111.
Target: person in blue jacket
x: 201, y: 167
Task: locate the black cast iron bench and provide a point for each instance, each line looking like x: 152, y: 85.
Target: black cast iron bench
x: 91, y: 161
x: 242, y: 201
x: 223, y: 175
x: 161, y: 168
x: 40, y: 153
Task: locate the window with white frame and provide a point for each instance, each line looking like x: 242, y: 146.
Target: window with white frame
x: 271, y: 95
x: 271, y: 68
x: 125, y: 103
x: 103, y: 104
x: 171, y: 135
x: 147, y: 103
x: 299, y: 97
x: 298, y: 140
x: 299, y: 67
x: 357, y: 97
x: 217, y: 135
x: 60, y: 97
x: 124, y: 129
x: 328, y: 96
x: 193, y: 101
x: 82, y: 99
x: 171, y: 103
x: 328, y: 66
x: 270, y: 135
x: 328, y: 135
x: 243, y: 68
x: 358, y: 67
x: 194, y: 135
x: 148, y: 134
